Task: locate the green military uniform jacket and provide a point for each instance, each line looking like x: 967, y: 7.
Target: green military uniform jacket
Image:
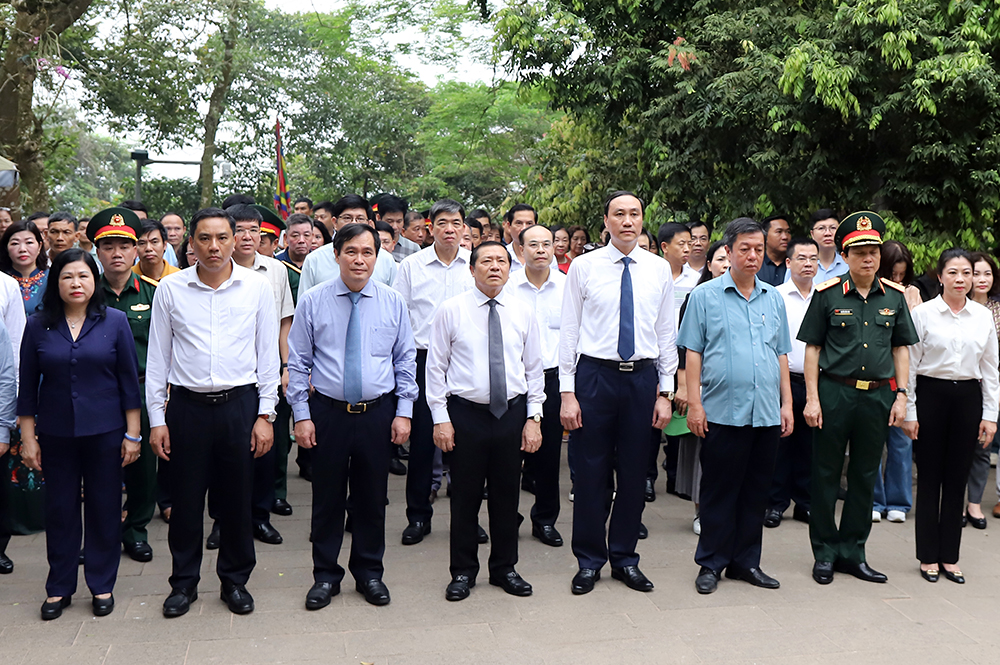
x: 857, y: 334
x: 136, y: 300
x: 294, y: 275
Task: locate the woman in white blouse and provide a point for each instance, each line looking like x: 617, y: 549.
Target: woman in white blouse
x: 953, y: 407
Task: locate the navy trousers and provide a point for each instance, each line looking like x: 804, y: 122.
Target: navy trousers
x: 793, y: 465
x: 421, y: 467
x: 542, y: 466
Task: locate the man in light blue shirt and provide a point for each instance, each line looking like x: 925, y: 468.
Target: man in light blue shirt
x: 351, y: 337
x: 8, y: 411
x: 740, y: 402
x: 321, y: 264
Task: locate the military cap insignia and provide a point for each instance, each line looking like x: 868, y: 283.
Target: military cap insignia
x: 117, y: 220
x: 864, y: 224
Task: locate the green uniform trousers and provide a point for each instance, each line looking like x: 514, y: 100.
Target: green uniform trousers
x: 282, y: 445
x: 860, y: 417
x: 140, y: 484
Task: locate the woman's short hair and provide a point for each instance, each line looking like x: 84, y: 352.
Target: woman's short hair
x: 6, y: 265
x: 52, y: 305
x: 572, y: 231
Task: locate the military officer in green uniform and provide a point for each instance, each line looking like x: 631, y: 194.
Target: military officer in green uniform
x: 856, y: 331
x: 114, y: 233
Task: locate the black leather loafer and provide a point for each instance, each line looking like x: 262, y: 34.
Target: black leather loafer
x: 214, y: 538
x: 976, y: 522
x: 7, y: 566
x: 415, y: 532
x: 281, y: 507
x: 772, y: 518
x: 138, y: 551
x: 823, y: 572
x: 547, y: 534
x: 104, y: 606
x: 930, y: 575
x: 650, y: 494
x: 583, y: 581
x: 860, y: 570
x: 643, y: 531
x: 754, y: 576
x: 237, y: 598
x: 375, y: 591
x: 955, y: 577
x: 266, y: 533
x: 512, y: 583
x: 482, y: 537
x: 396, y: 467
x: 179, y: 602
x: 54, y: 610
x: 707, y: 581
x: 800, y: 514
x: 458, y: 588
x: 632, y: 577
x: 320, y: 594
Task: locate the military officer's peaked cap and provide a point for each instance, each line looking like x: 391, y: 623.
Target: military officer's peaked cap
x: 114, y: 223
x: 272, y: 223
x: 860, y: 228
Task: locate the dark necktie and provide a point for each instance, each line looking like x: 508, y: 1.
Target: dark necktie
x: 626, y: 326
x: 498, y: 373
x: 352, y: 353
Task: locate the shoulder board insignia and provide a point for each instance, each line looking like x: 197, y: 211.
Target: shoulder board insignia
x: 827, y: 284
x: 140, y: 307
x: 894, y: 285
x: 293, y: 266
x: 149, y: 280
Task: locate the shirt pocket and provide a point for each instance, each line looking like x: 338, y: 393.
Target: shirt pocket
x: 843, y: 329
x: 884, y: 325
x: 554, y: 318
x: 383, y: 339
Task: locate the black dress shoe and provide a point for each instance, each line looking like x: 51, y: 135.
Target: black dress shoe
x: 823, y: 572
x: 632, y: 577
x: 306, y: 473
x: 54, y: 610
x: 512, y: 583
x: 800, y: 514
x: 583, y: 581
x: 138, y: 551
x: 527, y: 484
x: 281, y: 507
x: 375, y: 591
x: 7, y: 566
x: 266, y: 533
x: 415, y: 532
x: 547, y: 534
x: 458, y: 588
x: 643, y: 531
x: 81, y: 559
x: 976, y: 522
x: 214, y: 538
x: 320, y: 594
x: 179, y: 602
x: 707, y: 581
x: 482, y: 536
x: 671, y: 484
x: 930, y: 575
x: 104, y: 606
x: 754, y: 576
x: 860, y: 570
x: 237, y: 598
x: 396, y: 467
x: 772, y: 518
x: 402, y: 452
x: 650, y: 493
x: 955, y: 577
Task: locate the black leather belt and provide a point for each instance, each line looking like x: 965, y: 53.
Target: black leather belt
x: 360, y: 407
x: 220, y: 397
x: 857, y: 383
x: 796, y: 377
x: 630, y: 366
x: 552, y: 371
x: 511, y: 403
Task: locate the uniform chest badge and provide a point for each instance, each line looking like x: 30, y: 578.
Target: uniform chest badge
x: 887, y: 312
x: 843, y: 312
x: 141, y: 307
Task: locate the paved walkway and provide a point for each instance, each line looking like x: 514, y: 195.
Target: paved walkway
x: 905, y: 621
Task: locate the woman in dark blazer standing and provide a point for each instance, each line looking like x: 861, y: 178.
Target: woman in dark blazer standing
x: 79, y: 413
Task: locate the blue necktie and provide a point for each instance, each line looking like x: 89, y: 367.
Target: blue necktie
x: 626, y: 327
x: 352, y: 353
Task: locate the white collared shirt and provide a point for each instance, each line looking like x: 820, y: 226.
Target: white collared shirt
x: 425, y: 282
x: 795, y: 311
x: 458, y: 360
x: 591, y: 312
x: 685, y: 282
x: 546, y: 303
x: 209, y: 340
x: 516, y: 265
x: 12, y: 312
x: 955, y: 347
x: 276, y: 274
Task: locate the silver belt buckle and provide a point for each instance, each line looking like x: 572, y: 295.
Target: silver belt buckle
x: 626, y: 367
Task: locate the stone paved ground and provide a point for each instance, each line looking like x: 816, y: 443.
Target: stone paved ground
x: 905, y: 621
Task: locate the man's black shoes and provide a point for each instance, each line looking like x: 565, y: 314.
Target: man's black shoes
x: 237, y: 598
x: 281, y: 507
x: 320, y: 594
x: 823, y: 572
x: 138, y: 551
x: 179, y: 602
x: 396, y: 467
x: 860, y: 570
x: 266, y: 533
x: 583, y: 581
x: 632, y: 577
x: 375, y: 591
x: 512, y: 583
x: 772, y: 518
x: 547, y: 534
x: 415, y: 532
x: 214, y: 538
x: 458, y: 588
x: 754, y: 576
x: 707, y: 581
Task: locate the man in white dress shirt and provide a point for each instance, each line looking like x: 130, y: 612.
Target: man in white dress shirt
x: 212, y: 342
x: 794, y: 461
x: 541, y: 288
x: 617, y: 359
x: 485, y: 391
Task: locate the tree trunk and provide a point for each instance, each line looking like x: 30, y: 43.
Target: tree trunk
x: 21, y: 134
x: 217, y: 104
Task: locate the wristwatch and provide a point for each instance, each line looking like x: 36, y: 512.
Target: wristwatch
x: 269, y: 417
x: 536, y: 418
x: 902, y: 391
x: 669, y: 394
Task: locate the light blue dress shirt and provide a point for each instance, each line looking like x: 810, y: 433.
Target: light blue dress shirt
x: 739, y: 341
x: 318, y: 339
x: 8, y: 386
x: 321, y: 265
x: 836, y: 269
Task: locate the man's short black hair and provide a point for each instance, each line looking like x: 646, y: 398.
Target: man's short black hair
x: 242, y: 212
x: 352, y: 231
x: 483, y: 245
x: 63, y: 216
x: 236, y: 199
x: 385, y: 227
x: 479, y: 213
x: 298, y: 218
x: 795, y: 242
x: 738, y: 227
x: 698, y: 222
x: 474, y: 223
x: 820, y: 215
x: 350, y: 202
x: 303, y: 199
x: 210, y: 213
x: 509, y: 215
x: 38, y: 214
x: 324, y: 205
x: 766, y: 224
x: 411, y: 218
x: 520, y: 236
x: 137, y: 206
x: 668, y: 231
x: 443, y: 206
x: 392, y: 203
x: 617, y: 195
x: 173, y: 214
x: 149, y: 225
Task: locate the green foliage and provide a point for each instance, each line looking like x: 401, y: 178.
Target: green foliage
x: 163, y: 195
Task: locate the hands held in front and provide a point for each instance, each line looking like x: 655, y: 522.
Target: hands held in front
x: 662, y: 411
x: 159, y: 441
x: 130, y: 451
x: 531, y: 436
x: 444, y: 437
x: 261, y: 438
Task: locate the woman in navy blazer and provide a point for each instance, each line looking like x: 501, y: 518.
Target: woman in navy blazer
x: 80, y: 398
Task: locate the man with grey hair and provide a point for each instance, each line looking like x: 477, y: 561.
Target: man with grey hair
x: 740, y: 402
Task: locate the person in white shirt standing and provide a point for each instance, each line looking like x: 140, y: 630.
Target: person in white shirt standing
x: 793, y: 465
x: 485, y: 391
x: 952, y: 409
x: 213, y: 343
x: 541, y: 287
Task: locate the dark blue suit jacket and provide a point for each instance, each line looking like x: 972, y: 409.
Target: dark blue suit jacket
x: 78, y: 388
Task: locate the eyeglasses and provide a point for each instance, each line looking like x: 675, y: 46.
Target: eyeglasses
x: 806, y: 259
x: 247, y: 232
x: 545, y: 244
x: 348, y: 219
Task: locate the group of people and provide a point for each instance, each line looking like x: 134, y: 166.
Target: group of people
x: 362, y: 329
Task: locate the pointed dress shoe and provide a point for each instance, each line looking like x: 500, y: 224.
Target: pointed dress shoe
x: 7, y: 566
x: 415, y: 532
x: 800, y: 514
x: 976, y: 522
x: 54, y: 610
x: 179, y: 602
x: 931, y: 574
x: 583, y: 581
x: 320, y: 594
x: 482, y: 537
x: 772, y: 518
x: 103, y: 606
x: 860, y: 570
x: 754, y: 576
x: 643, y: 531
x: 547, y: 534
x: 214, y: 538
x: 632, y: 577
x: 281, y: 507
x: 458, y: 588
x: 396, y: 467
x: 823, y: 572
x: 707, y: 581
x: 374, y: 591
x: 512, y: 583
x: 266, y: 533
x: 650, y: 494
x: 955, y: 576
x: 237, y: 598
x: 138, y: 551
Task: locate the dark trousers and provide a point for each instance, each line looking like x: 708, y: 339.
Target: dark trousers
x: 6, y: 527
x: 210, y: 450
x: 140, y: 486
x: 793, y: 465
x: 487, y: 450
x: 860, y: 417
x: 97, y: 462
x: 737, y: 464
x: 617, y: 408
x: 543, y: 464
x: 262, y: 498
x: 282, y: 446
x: 421, y: 467
x: 949, y: 413
x: 349, y: 455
